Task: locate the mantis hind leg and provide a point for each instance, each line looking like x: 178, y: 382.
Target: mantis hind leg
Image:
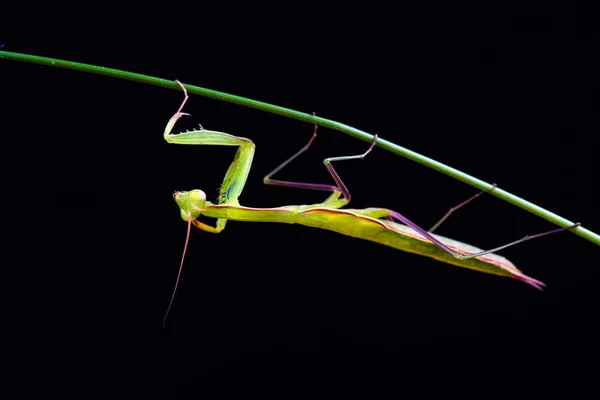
x: 387, y: 214
x: 333, y: 201
x: 402, y: 219
x: 391, y: 215
x: 452, y: 209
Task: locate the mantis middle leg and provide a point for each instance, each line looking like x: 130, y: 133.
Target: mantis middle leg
x: 333, y: 201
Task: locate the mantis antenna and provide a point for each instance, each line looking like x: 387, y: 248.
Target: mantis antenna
x: 187, y: 238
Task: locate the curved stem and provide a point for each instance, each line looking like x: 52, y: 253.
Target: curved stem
x: 326, y: 123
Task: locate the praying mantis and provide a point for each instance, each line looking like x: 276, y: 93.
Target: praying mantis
x: 379, y: 225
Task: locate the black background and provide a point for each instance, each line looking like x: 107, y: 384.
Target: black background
x: 508, y: 94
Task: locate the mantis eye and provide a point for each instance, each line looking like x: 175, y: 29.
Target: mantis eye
x: 195, y: 198
x: 190, y: 203
x: 198, y: 198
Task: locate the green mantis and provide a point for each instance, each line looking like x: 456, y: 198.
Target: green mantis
x: 379, y: 225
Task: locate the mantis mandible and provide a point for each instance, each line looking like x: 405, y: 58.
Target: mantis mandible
x: 379, y: 225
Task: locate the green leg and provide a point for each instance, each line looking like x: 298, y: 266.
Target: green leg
x: 237, y: 174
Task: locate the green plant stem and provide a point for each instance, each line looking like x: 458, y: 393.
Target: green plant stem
x: 323, y: 122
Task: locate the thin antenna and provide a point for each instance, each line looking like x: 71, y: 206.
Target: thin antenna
x: 187, y: 238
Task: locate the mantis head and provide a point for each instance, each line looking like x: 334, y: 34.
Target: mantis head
x: 190, y: 203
